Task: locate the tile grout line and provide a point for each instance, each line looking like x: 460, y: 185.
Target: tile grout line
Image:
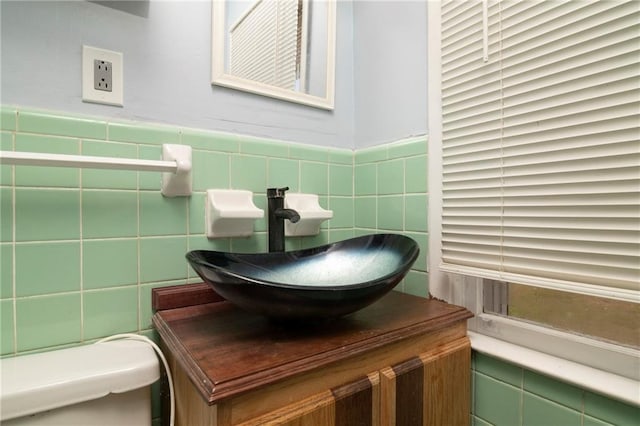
x: 188, y: 243
x: 522, y: 396
x: 82, y: 332
x: 138, y: 239
x: 14, y: 289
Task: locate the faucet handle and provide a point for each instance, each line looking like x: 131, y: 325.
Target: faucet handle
x: 276, y: 192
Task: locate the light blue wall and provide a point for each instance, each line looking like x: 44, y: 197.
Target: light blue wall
x: 167, y: 66
x: 390, y: 66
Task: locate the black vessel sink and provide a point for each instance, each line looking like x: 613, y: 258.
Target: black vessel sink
x: 320, y: 282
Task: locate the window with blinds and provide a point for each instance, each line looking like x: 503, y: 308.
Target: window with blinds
x: 541, y: 143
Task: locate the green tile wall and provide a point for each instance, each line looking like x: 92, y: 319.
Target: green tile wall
x: 106, y: 238
x: 390, y: 195
x: 504, y: 394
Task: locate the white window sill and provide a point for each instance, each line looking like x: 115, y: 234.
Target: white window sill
x: 609, y: 384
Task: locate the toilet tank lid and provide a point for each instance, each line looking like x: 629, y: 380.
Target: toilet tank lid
x: 38, y: 382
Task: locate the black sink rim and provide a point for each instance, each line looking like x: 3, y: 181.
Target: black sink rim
x: 195, y: 257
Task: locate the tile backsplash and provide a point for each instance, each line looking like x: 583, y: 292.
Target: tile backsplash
x: 390, y: 195
x: 505, y: 394
x: 81, y: 249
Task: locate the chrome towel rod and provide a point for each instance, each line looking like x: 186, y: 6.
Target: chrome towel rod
x: 176, y: 165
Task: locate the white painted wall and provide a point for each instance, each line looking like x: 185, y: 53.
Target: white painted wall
x: 380, y: 75
x: 390, y: 63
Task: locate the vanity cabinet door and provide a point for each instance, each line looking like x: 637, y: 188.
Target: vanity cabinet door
x: 354, y: 404
x: 432, y: 388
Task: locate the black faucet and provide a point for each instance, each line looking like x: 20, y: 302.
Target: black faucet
x: 277, y: 214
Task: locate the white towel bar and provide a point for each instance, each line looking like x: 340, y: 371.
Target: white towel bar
x: 176, y: 165
x: 62, y: 160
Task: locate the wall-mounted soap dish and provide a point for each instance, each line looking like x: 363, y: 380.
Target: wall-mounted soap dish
x: 230, y: 213
x: 311, y: 215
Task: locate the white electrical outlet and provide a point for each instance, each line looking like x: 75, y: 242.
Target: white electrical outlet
x: 102, y: 80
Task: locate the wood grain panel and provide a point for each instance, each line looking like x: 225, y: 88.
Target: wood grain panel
x: 409, y: 392
x: 401, y: 393
x: 268, y: 397
x: 431, y: 389
x: 228, y: 352
x: 316, y: 410
x: 447, y: 381
x: 180, y: 296
x: 356, y: 402
x: 352, y: 404
x: 190, y: 409
x: 387, y: 397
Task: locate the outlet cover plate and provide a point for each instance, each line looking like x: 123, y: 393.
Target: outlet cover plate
x: 89, y: 92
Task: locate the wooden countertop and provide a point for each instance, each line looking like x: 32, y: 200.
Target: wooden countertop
x: 226, y: 351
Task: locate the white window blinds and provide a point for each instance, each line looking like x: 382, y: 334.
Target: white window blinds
x: 264, y: 43
x: 541, y: 143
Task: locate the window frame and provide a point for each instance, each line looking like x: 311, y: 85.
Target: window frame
x: 603, y: 367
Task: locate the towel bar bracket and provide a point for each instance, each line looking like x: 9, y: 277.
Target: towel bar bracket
x: 177, y: 184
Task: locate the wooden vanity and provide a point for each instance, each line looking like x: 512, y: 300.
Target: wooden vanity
x: 404, y: 360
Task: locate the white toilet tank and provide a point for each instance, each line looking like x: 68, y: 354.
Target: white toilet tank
x: 99, y: 384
